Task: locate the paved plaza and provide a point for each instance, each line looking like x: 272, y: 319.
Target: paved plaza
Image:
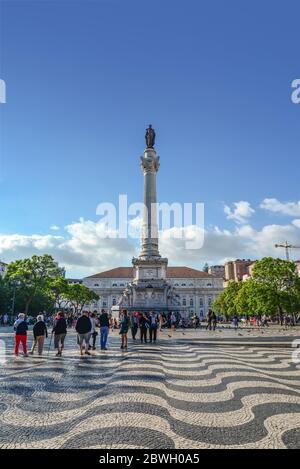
x: 191, y: 390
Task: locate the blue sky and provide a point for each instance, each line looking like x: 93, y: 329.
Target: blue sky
x: 84, y: 79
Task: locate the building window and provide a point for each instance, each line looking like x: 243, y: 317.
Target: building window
x: 184, y: 302
x: 191, y: 302
x: 122, y: 284
x: 96, y: 285
x: 209, y: 301
x: 114, y: 302
x: 104, y: 304
x: 201, y: 302
x: 114, y: 284
x: 183, y: 284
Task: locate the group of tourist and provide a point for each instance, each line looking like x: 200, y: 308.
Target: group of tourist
x: 86, y: 324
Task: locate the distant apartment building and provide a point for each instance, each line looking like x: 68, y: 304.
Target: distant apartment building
x: 217, y: 271
x: 238, y: 270
x: 3, y: 268
x: 298, y: 267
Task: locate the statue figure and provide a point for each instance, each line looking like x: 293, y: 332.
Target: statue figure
x: 150, y: 137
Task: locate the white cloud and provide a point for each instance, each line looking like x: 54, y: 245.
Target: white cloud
x: 241, y: 213
x: 296, y: 223
x: 285, y: 208
x: 83, y: 249
x: 54, y: 228
x: 221, y: 245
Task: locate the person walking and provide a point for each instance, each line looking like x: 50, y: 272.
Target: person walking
x: 39, y: 334
x: 60, y: 331
x: 94, y: 333
x: 83, y: 329
x: 209, y: 319
x: 214, y: 321
x: 154, y: 321
x: 173, y: 321
x: 5, y: 320
x: 134, y: 325
x: 21, y: 328
x: 144, y: 326
x: 104, y: 329
x: 124, y: 326
x: 236, y: 322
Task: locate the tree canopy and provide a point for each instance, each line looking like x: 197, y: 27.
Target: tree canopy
x: 274, y: 288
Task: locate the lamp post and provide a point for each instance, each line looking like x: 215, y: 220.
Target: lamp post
x: 14, y: 283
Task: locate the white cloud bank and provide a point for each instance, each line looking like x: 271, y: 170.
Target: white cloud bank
x: 291, y: 209
x: 84, y: 250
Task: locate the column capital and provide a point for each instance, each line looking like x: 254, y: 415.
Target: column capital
x: 150, y: 161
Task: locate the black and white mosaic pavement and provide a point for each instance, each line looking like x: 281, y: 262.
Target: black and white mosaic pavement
x: 176, y: 394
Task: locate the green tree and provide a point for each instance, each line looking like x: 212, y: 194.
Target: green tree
x: 79, y: 295
x: 59, y: 289
x: 6, y: 294
x: 205, y: 267
x: 225, y: 303
x: 254, y: 298
x: 280, y: 285
x: 33, y: 277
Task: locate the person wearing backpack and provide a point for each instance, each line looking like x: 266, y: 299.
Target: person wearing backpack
x: 21, y: 328
x: 39, y: 334
x: 154, y: 321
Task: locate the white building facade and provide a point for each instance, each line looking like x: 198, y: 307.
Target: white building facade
x: 194, y: 289
x: 3, y: 268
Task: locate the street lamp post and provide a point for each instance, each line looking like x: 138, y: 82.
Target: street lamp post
x: 15, y: 283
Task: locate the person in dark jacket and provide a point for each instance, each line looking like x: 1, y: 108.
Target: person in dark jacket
x: 21, y: 328
x: 60, y: 332
x: 124, y: 326
x: 39, y: 334
x: 83, y: 329
x: 154, y: 322
x: 104, y: 329
x: 144, y: 326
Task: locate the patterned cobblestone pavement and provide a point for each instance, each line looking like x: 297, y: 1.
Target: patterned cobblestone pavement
x: 181, y: 393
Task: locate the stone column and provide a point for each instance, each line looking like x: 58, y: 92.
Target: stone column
x: 150, y: 167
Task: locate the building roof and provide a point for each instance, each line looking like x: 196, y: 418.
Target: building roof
x: 172, y: 272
